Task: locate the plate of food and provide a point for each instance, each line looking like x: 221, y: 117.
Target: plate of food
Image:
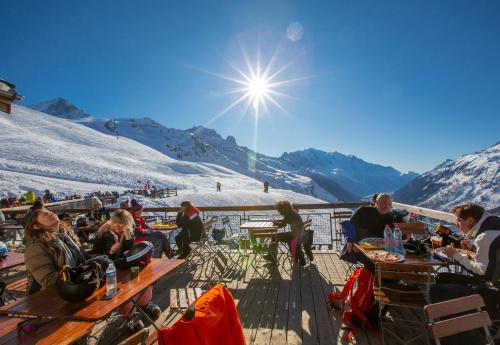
x: 165, y: 226
x: 438, y: 252
x: 383, y: 256
x: 372, y: 243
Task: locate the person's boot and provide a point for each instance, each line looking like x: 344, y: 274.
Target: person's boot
x: 152, y: 310
x: 135, y: 324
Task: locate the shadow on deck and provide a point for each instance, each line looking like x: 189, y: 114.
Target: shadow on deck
x: 286, y: 306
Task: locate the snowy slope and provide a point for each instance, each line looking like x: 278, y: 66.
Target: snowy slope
x: 471, y: 178
x: 334, y: 176
x: 40, y: 151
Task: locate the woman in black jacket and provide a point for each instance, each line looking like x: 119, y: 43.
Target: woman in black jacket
x: 115, y: 237
x: 192, y: 228
x: 293, y: 237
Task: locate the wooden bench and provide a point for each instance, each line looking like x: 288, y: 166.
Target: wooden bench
x: 138, y: 338
x: 181, y: 299
x: 54, y: 332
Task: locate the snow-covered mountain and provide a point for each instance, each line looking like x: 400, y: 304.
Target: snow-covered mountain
x: 470, y: 178
x: 61, y: 108
x: 362, y: 178
x: 40, y: 151
x: 329, y: 176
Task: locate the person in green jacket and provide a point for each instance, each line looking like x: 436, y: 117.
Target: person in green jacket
x: 30, y: 197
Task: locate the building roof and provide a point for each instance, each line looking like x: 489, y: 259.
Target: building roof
x: 8, y: 90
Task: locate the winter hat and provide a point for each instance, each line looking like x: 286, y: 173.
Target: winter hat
x: 133, y: 202
x: 96, y: 203
x: 125, y: 203
x: 137, y: 207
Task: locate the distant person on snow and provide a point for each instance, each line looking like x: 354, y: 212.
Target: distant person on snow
x: 266, y: 187
x: 218, y: 186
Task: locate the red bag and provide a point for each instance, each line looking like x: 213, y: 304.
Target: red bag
x: 357, y: 300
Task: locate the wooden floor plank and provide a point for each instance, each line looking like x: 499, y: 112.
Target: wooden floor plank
x: 309, y: 325
x: 325, y: 331
x: 280, y: 325
x: 294, y: 330
x: 264, y: 330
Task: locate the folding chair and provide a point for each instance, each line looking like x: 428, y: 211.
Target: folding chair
x: 349, y: 234
x: 201, y: 250
x: 231, y: 245
x: 468, y: 315
x: 404, y: 286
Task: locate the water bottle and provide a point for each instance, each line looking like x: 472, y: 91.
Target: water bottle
x: 388, y: 243
x: 110, y: 280
x: 398, y: 237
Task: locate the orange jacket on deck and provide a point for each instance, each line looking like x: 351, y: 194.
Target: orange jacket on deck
x: 216, y: 322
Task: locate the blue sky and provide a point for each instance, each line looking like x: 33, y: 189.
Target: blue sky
x: 401, y: 83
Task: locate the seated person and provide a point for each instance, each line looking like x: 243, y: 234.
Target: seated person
x: 49, y: 197
x: 293, y: 237
x: 189, y: 220
x: 370, y: 221
x: 98, y: 212
x: 484, y: 230
x: 113, y: 238
x: 50, y: 244
x: 144, y: 233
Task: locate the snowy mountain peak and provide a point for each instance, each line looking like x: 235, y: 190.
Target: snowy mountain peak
x: 60, y: 107
x: 472, y: 177
x: 231, y: 140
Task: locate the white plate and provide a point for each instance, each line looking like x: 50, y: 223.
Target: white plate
x: 401, y: 256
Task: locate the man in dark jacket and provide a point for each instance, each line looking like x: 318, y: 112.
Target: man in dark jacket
x: 370, y: 221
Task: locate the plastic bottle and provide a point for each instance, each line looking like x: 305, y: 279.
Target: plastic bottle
x: 398, y: 237
x: 110, y: 280
x: 388, y: 239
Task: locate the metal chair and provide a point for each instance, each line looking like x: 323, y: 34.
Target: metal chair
x: 202, y: 249
x: 471, y: 317
x: 349, y: 234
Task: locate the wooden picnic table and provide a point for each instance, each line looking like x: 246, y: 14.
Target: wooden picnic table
x: 410, y: 259
x: 55, y: 332
x: 48, y: 303
x: 12, y: 260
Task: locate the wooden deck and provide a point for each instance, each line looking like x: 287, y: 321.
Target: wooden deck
x: 287, y: 306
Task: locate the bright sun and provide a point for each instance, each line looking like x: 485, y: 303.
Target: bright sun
x: 257, y: 90
x: 257, y: 85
